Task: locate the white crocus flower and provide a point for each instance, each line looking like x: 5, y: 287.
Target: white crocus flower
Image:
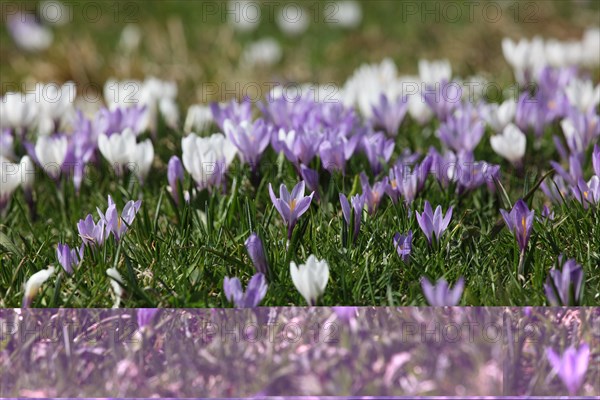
x: 244, y: 15
x: 10, y: 179
x: 27, y: 33
x: 418, y: 109
x: 34, y: 283
x: 18, y: 111
x: 293, y: 20
x: 198, y: 119
x: 263, y: 52
x: 207, y: 159
x: 311, y: 278
x: 27, y: 175
x: 141, y: 157
x: 431, y: 72
x: 498, y: 116
x: 582, y: 94
x: 348, y: 14
x: 51, y: 153
x: 56, y: 108
x: 115, y: 282
x: 117, y: 148
x: 510, y: 144
x: 169, y: 111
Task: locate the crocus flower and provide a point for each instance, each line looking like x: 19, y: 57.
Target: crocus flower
x: 116, y: 283
x: 141, y: 157
x: 291, y: 206
x: 596, y: 159
x: 251, y: 139
x: 10, y: 179
x: 145, y: 316
x: 571, y: 366
x: 175, y: 177
x: 27, y: 33
x: 116, y: 148
x: 441, y: 295
x: 378, y: 149
x: 390, y: 114
x: 563, y: 288
x: 582, y: 94
x: 118, y: 224
x: 499, y: 116
x: 255, y: 291
x: 358, y: 202
x: 547, y: 213
x: 256, y: 252
x: 587, y: 193
x: 51, y: 152
x: 510, y: 144
x: 234, y: 111
x: 403, y: 245
x: 207, y: 159
x: 117, y: 119
x: 463, y: 130
x: 373, y: 194
x: 34, y: 283
x: 311, y: 278
x: 520, y: 221
x: 198, y: 119
x: 69, y: 258
x: 91, y: 233
x: 433, y: 224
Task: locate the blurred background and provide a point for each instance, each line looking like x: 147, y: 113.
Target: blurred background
x: 201, y: 43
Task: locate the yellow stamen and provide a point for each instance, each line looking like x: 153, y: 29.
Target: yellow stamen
x: 524, y: 224
x: 293, y: 205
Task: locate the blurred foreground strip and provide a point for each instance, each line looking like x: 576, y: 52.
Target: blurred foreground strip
x: 315, y: 351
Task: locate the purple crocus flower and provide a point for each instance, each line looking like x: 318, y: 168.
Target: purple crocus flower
x: 357, y: 202
x: 69, y: 258
x: 571, y: 366
x: 587, y: 193
x: 403, y: 245
x: 547, y: 213
x: 175, y: 176
x: 333, y: 155
x: 443, y: 98
x: 433, y: 223
x: 118, y: 224
x: 378, y: 149
x: 311, y: 177
x: 90, y: 232
x: 390, y: 114
x: 520, y: 222
x: 563, y: 288
x: 596, y: 159
x: 251, y: 139
x: 297, y: 146
x: 373, y: 194
x: 145, y: 316
x: 291, y: 206
x: 344, y: 313
x: 441, y: 295
x: 256, y: 252
x: 462, y: 131
x: 255, y: 291
x: 118, y: 119
x: 234, y: 111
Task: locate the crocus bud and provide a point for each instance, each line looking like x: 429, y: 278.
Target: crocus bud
x: 256, y: 252
x: 34, y: 283
x: 174, y: 175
